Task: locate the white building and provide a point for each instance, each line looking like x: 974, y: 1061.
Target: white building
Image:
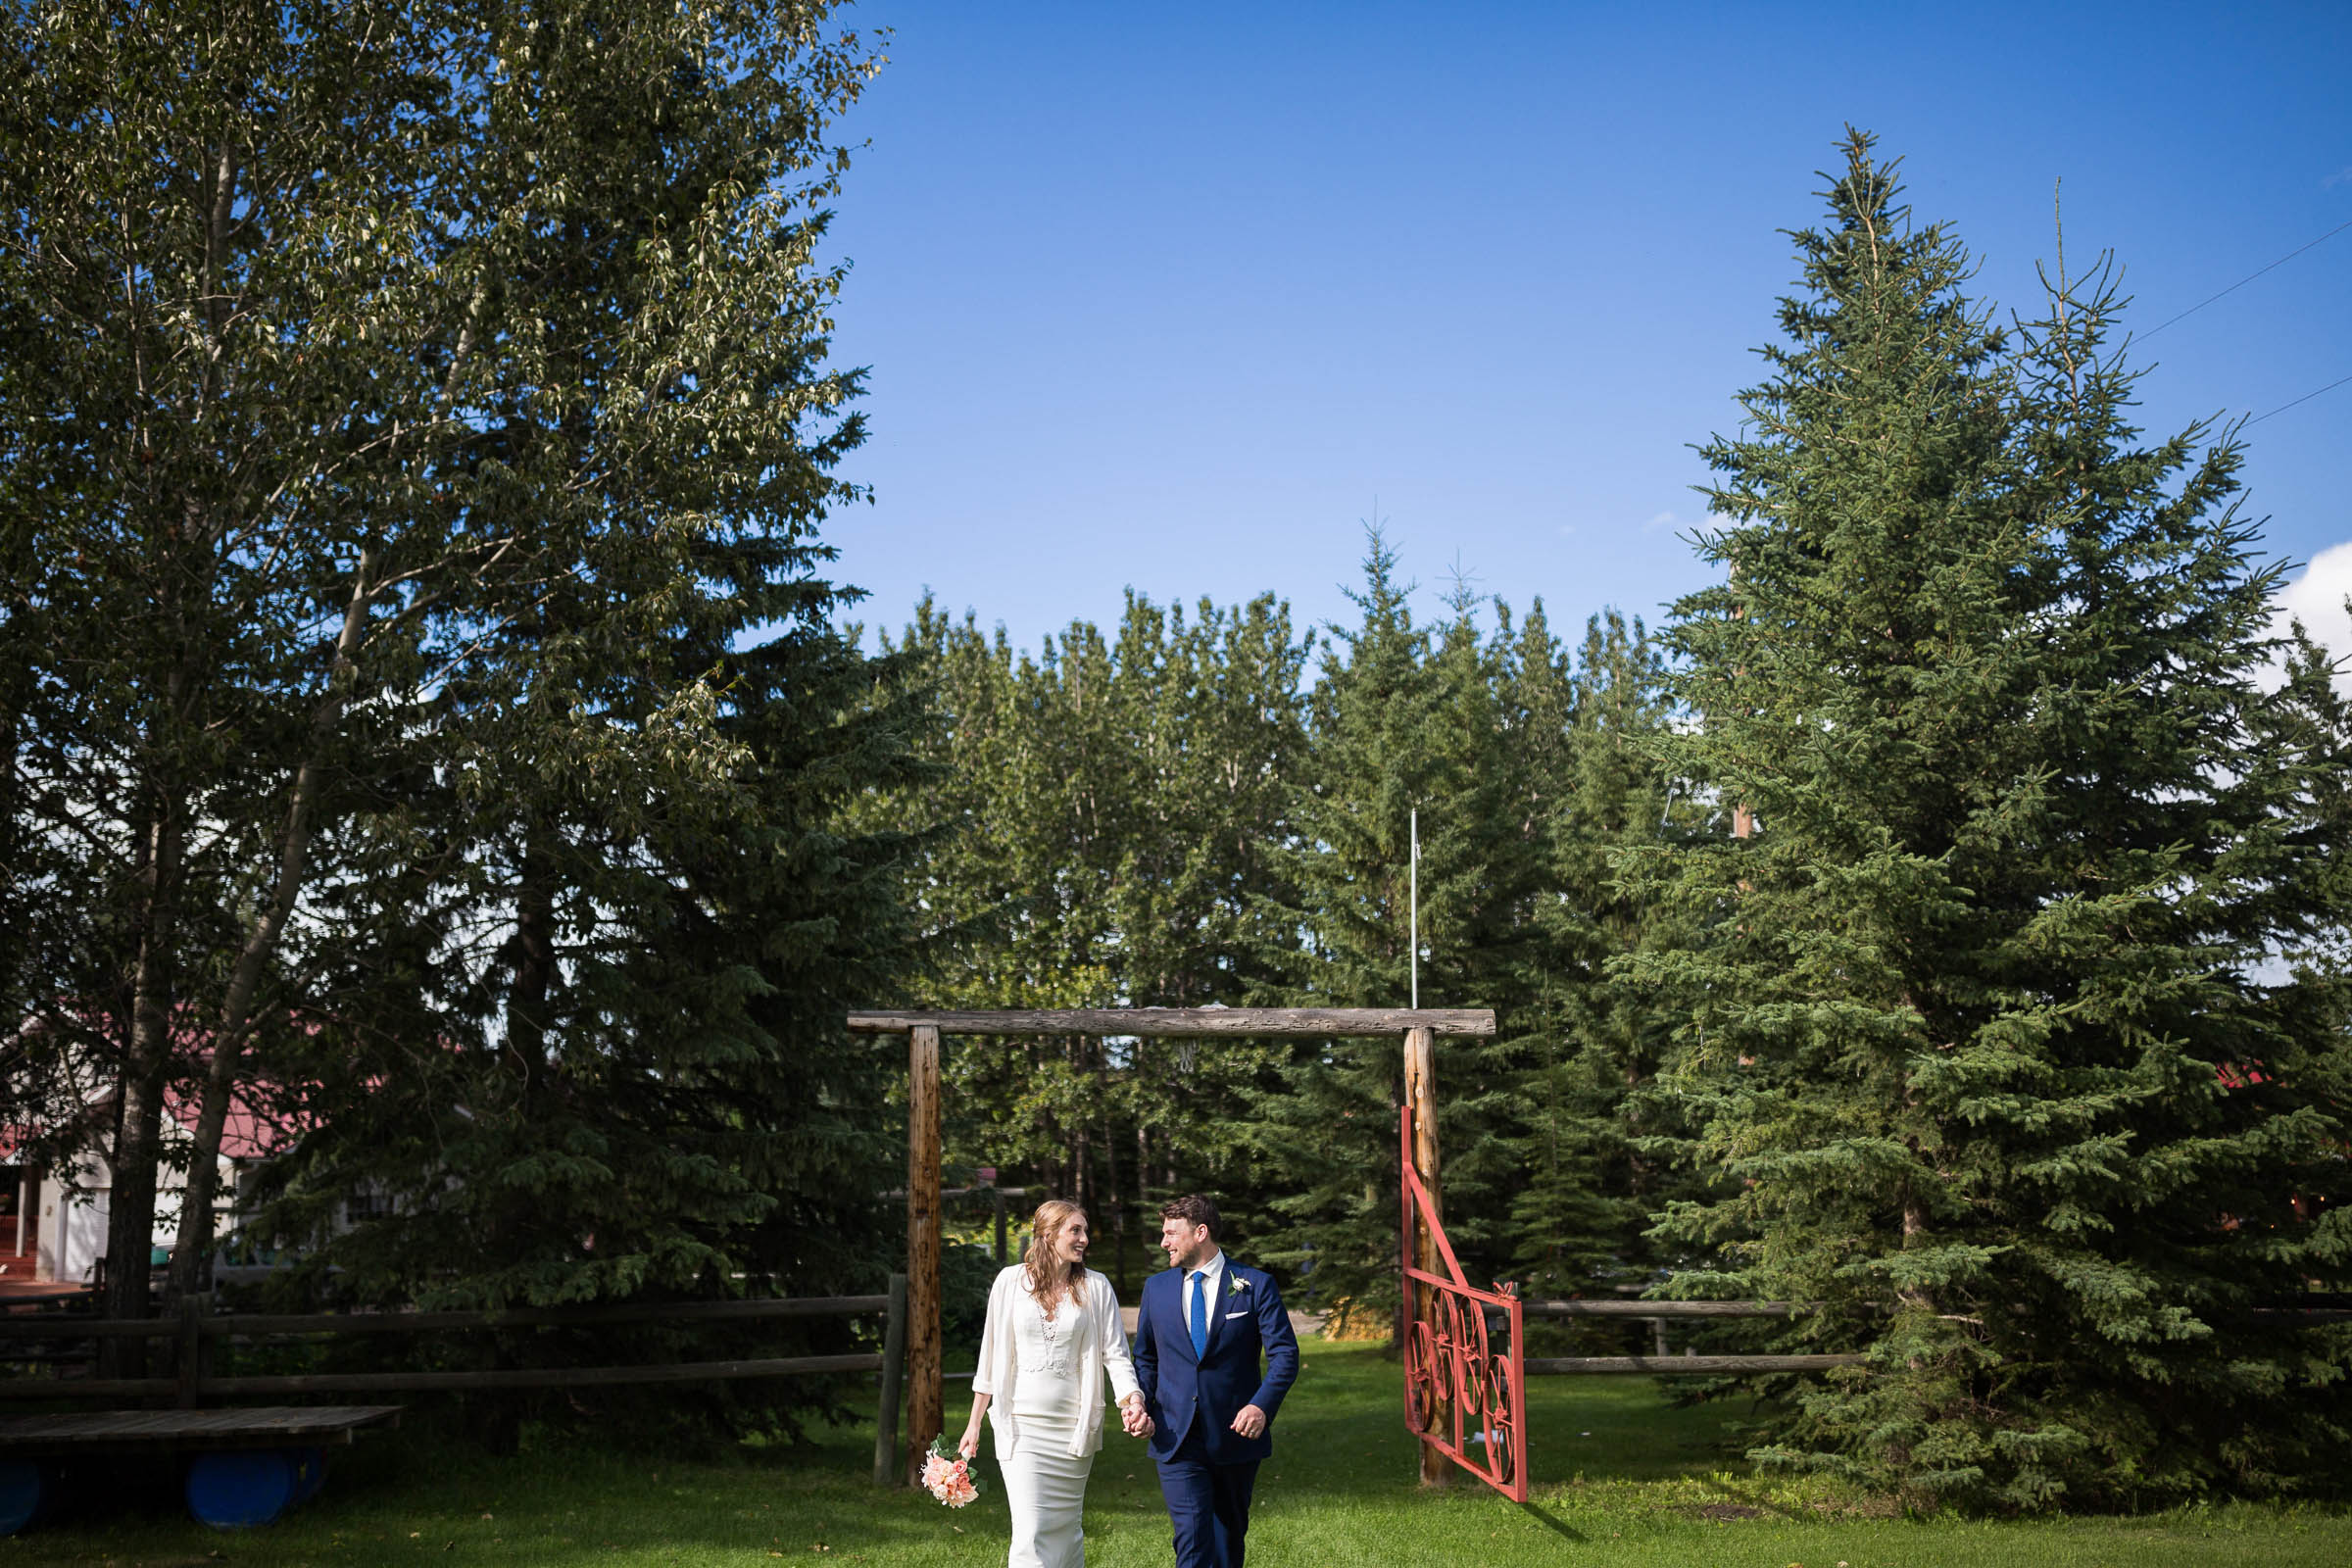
x: 53, y: 1227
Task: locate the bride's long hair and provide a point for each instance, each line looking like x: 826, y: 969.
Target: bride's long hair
x: 1050, y: 1277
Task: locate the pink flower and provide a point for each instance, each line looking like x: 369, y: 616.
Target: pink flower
x: 949, y: 1478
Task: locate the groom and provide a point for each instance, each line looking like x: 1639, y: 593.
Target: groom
x: 1197, y: 1337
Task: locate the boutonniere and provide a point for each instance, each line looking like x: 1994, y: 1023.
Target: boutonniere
x: 1238, y: 1285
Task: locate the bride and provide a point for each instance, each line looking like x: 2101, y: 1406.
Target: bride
x: 1053, y: 1331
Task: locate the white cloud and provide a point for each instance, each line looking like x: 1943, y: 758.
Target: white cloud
x: 2316, y: 599
x: 1664, y: 520
x: 2341, y: 176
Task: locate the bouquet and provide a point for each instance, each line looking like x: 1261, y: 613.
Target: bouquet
x: 947, y: 1475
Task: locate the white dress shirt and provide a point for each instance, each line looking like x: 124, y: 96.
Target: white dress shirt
x: 1213, y: 1268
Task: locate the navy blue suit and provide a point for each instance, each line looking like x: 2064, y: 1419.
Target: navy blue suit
x: 1206, y: 1469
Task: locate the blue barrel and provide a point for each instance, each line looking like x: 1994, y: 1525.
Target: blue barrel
x: 310, y: 1472
x: 236, y: 1489
x: 26, y: 1490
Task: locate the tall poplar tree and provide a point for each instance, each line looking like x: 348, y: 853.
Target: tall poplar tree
x: 620, y: 820
x: 433, y: 415
x: 234, y: 356
x: 1970, y: 1038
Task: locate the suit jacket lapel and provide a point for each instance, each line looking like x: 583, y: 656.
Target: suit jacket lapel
x: 1222, y: 1304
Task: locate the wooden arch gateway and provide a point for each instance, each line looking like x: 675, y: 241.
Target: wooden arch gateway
x: 1438, y: 1326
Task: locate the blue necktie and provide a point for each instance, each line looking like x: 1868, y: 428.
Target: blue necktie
x: 1200, y: 1315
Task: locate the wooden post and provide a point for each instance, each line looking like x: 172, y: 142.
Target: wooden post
x: 1421, y: 1093
x: 190, y: 1366
x: 923, y: 1351
x: 894, y: 1359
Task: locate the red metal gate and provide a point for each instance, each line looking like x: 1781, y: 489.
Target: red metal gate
x: 1461, y: 1390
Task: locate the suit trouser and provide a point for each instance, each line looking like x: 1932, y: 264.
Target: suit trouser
x: 1207, y: 1504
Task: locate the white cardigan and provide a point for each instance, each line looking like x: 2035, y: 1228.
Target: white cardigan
x: 1101, y: 1336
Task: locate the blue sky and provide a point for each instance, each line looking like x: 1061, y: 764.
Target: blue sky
x: 1169, y: 297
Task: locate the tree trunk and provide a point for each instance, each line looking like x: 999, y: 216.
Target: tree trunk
x: 139, y: 1115
x: 1081, y: 1188
x: 1915, y: 1226
x: 534, y: 975
x: 495, y: 1417
x: 1118, y: 1211
x: 131, y: 1205
x: 236, y: 1023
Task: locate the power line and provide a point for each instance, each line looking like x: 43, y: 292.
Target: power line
x: 2248, y: 278
x: 2305, y: 398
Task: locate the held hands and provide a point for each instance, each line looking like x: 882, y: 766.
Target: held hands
x: 1249, y: 1422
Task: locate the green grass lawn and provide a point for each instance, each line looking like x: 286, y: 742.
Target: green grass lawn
x: 1621, y: 1477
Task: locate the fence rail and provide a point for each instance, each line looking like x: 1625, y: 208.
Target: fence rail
x: 1648, y: 1309
x: 1690, y: 1365
x: 194, y: 1326
x: 267, y: 1324
x: 1684, y: 1365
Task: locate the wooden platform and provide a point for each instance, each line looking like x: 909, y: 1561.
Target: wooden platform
x: 262, y: 1427
x: 27, y: 1292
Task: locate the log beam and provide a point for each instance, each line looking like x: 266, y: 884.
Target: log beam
x: 1162, y: 1023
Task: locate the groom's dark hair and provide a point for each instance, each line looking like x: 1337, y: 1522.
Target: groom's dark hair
x: 1194, y: 1210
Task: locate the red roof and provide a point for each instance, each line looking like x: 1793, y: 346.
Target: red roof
x: 247, y: 1133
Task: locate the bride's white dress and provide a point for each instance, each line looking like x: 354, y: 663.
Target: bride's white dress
x: 1045, y: 1482
x: 1044, y: 1379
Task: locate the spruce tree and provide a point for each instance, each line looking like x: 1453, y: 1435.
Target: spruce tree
x: 1593, y: 1040
x: 1486, y: 847
x: 1969, y: 1038
x: 1325, y: 1131
x: 2179, y: 858
x: 1219, y: 727
x: 1399, y: 722
x: 1102, y: 831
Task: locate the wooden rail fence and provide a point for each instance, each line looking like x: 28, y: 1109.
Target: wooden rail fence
x: 1659, y: 1311
x: 195, y: 1327
x: 1732, y: 1365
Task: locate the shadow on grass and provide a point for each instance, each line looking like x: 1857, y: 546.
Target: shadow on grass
x: 1555, y: 1523
x: 1751, y: 1503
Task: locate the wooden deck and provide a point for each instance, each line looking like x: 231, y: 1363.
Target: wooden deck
x: 262, y: 1427
x: 23, y: 1290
